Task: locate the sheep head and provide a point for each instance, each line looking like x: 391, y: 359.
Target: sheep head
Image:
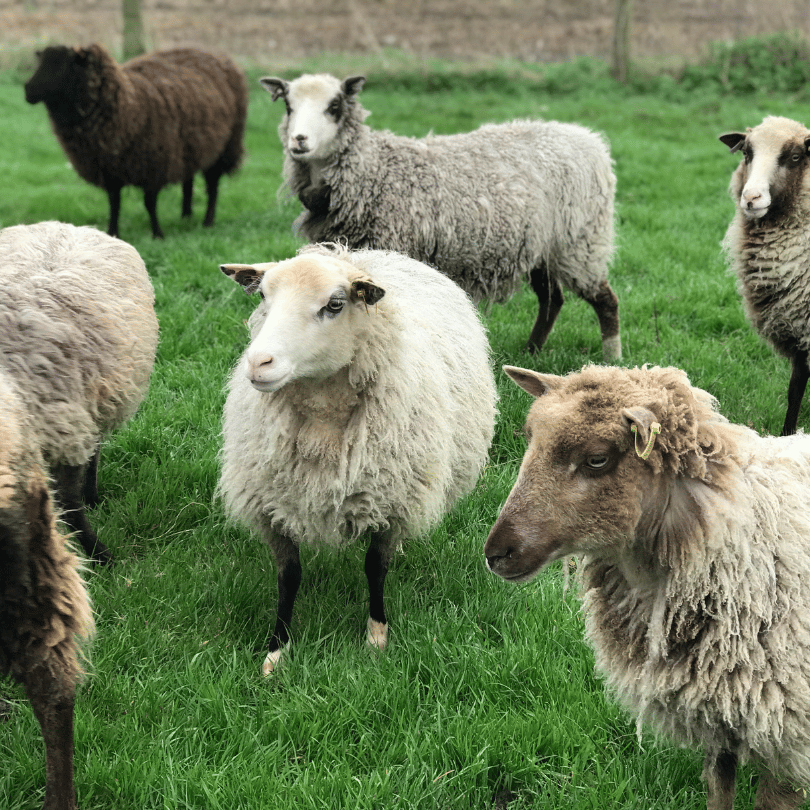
x: 316, y: 106
x: 310, y: 321
x: 772, y: 173
x: 592, y: 481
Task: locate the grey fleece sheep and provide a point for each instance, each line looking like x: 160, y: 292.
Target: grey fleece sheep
x: 363, y: 408
x: 527, y: 199
x: 78, y: 336
x: 695, y: 543
x: 44, y: 608
x: 768, y: 241
x: 155, y: 120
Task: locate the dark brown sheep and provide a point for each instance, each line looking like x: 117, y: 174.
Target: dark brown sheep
x: 43, y: 603
x: 156, y: 119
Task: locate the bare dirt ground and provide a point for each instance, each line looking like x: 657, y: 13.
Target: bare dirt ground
x: 275, y: 31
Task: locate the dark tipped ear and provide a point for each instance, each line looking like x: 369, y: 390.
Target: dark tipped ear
x: 276, y: 87
x: 245, y: 274
x: 353, y: 85
x: 366, y: 291
x: 807, y: 144
x: 80, y: 55
x: 531, y: 382
x: 733, y: 140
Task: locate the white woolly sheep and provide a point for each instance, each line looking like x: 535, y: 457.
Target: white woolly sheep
x: 527, y: 199
x: 768, y: 241
x: 695, y: 543
x: 78, y: 336
x: 44, y: 607
x: 157, y: 119
x: 364, y: 406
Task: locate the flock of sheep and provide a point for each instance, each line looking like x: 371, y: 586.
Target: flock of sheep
x: 364, y: 405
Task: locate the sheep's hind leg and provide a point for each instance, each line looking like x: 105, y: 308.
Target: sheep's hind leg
x: 773, y: 795
x: 606, y: 306
x: 70, y: 485
x: 378, y: 558
x: 798, y: 382
x: 188, y: 189
x: 549, y: 300
x: 113, y: 190
x: 720, y: 773
x: 288, y: 564
x: 53, y: 702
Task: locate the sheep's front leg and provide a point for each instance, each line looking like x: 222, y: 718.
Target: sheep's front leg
x: 720, y: 773
x: 70, y: 487
x: 798, y: 382
x: 378, y: 558
x: 773, y: 795
x: 113, y: 189
x: 288, y: 564
x: 188, y: 192
x: 53, y: 706
x: 150, y: 196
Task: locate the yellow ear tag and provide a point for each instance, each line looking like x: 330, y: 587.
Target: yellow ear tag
x: 655, y: 429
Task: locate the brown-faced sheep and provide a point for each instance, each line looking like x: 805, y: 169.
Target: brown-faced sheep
x: 78, y: 335
x: 156, y: 119
x: 695, y: 542
x: 43, y: 604
x: 768, y: 241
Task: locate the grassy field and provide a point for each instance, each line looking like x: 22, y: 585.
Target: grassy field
x: 486, y: 697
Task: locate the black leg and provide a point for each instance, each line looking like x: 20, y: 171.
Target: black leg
x: 288, y: 564
x: 188, y: 188
x: 150, y: 196
x: 606, y: 305
x: 549, y: 300
x: 70, y: 485
x: 114, y: 196
x: 212, y: 177
x: 53, y: 702
x: 798, y: 382
x: 378, y: 558
x: 90, y: 494
x: 720, y: 773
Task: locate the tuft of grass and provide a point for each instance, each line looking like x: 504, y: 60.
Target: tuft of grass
x: 486, y: 697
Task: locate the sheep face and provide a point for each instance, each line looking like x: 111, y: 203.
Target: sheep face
x: 316, y: 106
x: 54, y: 75
x: 310, y: 319
x: 771, y: 176
x: 581, y: 487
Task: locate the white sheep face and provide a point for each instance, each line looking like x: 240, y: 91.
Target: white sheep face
x: 775, y: 155
x: 309, y: 318
x: 315, y: 105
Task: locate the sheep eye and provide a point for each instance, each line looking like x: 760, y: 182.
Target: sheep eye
x: 334, y: 108
x: 597, y: 462
x: 334, y: 306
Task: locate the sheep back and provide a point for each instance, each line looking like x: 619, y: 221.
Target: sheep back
x: 78, y: 332
x: 156, y: 119
x: 44, y: 608
x: 485, y: 207
x: 388, y: 443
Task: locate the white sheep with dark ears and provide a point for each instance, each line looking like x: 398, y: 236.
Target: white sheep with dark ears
x: 363, y: 408
x: 523, y: 200
x: 768, y: 241
x: 694, y: 538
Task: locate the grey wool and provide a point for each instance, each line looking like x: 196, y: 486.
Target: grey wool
x: 78, y: 336
x: 529, y: 200
x: 155, y: 120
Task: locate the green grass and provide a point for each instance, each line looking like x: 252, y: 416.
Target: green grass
x: 486, y: 697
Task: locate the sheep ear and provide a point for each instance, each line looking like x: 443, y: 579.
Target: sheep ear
x: 733, y: 140
x: 366, y: 291
x: 247, y: 275
x: 807, y: 145
x: 353, y: 85
x: 276, y: 87
x: 642, y: 418
x: 531, y: 382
